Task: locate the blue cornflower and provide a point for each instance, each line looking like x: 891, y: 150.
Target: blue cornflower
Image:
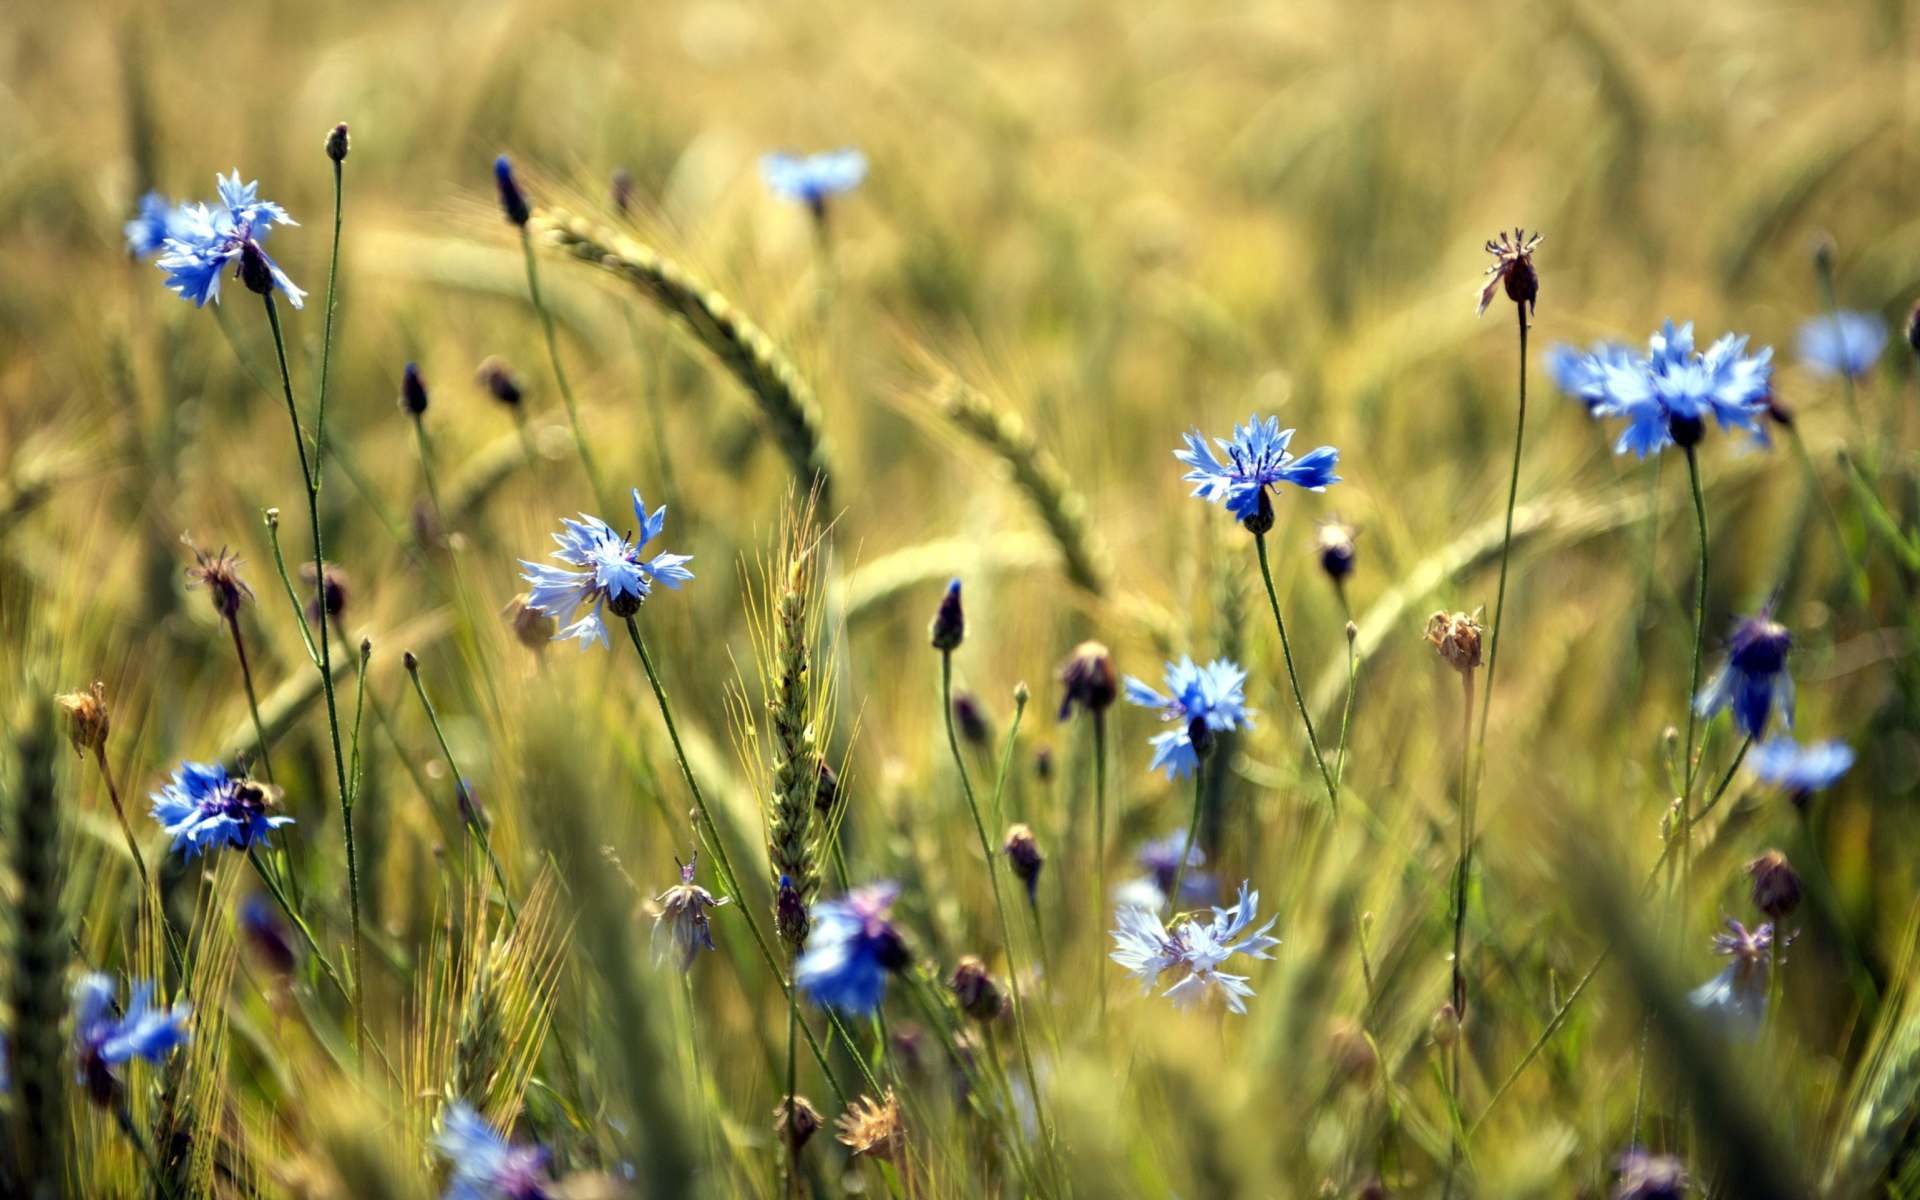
x: 159, y: 220
x: 814, y: 178
x: 102, y: 1042
x: 1847, y: 343
x: 1257, y: 459
x: 1801, y: 769
x: 1148, y: 950
x: 852, y: 947
x: 1754, y: 678
x: 212, y: 238
x: 612, y: 573
x: 485, y: 1165
x: 1161, y: 860
x: 1736, y: 998
x: 204, y: 808
x: 1212, y: 696
x: 1667, y: 395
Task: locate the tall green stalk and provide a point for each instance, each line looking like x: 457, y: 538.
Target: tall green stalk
x: 471, y: 817
x: 1286, y: 650
x: 1506, y: 543
x: 1699, y: 643
x: 1099, y: 856
x: 1193, y: 831
x: 560, y: 373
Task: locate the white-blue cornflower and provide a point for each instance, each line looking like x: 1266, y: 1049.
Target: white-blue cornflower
x: 1667, y: 395
x: 1846, y: 343
x: 1257, y: 460
x: 486, y: 1166
x: 1214, y: 695
x: 157, y: 221
x: 813, y: 178
x: 1736, y: 999
x: 611, y: 573
x: 1193, y: 951
x: 1801, y: 769
x: 210, y: 238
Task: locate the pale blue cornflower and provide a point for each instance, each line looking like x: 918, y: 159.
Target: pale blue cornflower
x: 1667, y: 395
x: 204, y: 808
x: 1735, y: 1000
x: 157, y: 222
x: 611, y: 573
x: 211, y: 238
x: 1846, y: 343
x: 102, y: 1041
x: 852, y: 948
x: 485, y: 1165
x: 1195, y: 952
x: 1256, y: 460
x: 1754, y: 679
x: 813, y: 179
x: 1212, y: 696
x: 1801, y: 769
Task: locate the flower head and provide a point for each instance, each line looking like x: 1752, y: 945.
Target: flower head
x: 266, y: 931
x: 413, y: 392
x: 874, y: 1128
x: 102, y: 1041
x: 485, y: 1165
x: 1513, y: 266
x: 1736, y: 998
x: 1457, y: 637
x: 1256, y: 460
x: 814, y: 178
x: 499, y: 380
x: 331, y: 594
x: 209, y: 239
x: 1846, y: 343
x: 205, y: 808
x: 1333, y: 545
x: 1776, y: 885
x: 611, y: 573
x: 1754, y: 678
x: 1160, y: 858
x: 1210, y: 698
x: 513, y: 202
x: 157, y: 222
x: 974, y: 989
x: 1087, y: 679
x: 852, y: 947
x: 1023, y: 854
x: 683, y: 914
x: 949, y: 627
x: 1193, y: 951
x: 797, y: 1129
x: 220, y: 575
x: 1802, y: 770
x: 1644, y: 1175
x: 87, y: 717
x: 1667, y: 395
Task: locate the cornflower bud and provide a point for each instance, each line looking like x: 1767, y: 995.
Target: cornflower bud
x: 513, y: 202
x: 337, y: 142
x: 949, y: 627
x: 974, y: 989
x: 1776, y: 885
x: 501, y: 383
x: 1089, y: 680
x: 413, y: 392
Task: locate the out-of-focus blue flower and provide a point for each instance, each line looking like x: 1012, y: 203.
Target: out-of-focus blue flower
x: 812, y: 179
x: 211, y: 238
x: 852, y: 948
x: 1811, y: 768
x: 1847, y: 343
x: 1257, y: 459
x: 1161, y: 860
x: 1195, y: 952
x: 1213, y: 694
x: 1754, y: 678
x: 101, y: 1041
x: 1667, y: 395
x: 1736, y: 999
x: 611, y: 573
x: 266, y: 931
x: 204, y: 808
x: 158, y: 221
x: 485, y: 1165
x: 1644, y: 1175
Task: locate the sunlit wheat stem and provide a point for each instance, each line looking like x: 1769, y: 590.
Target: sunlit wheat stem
x: 1293, y: 679
x: 560, y: 373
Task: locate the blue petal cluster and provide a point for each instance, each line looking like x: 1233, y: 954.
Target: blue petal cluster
x: 611, y: 573
x: 158, y: 222
x: 485, y: 1165
x: 1667, y: 395
x: 1754, y: 679
x: 1256, y: 459
x: 1214, y: 694
x: 1148, y: 950
x: 207, y: 239
x: 812, y: 178
x: 852, y: 947
x: 204, y: 808
x: 102, y: 1041
x: 1847, y: 343
x: 1811, y: 768
x: 1736, y: 999
x: 1160, y: 858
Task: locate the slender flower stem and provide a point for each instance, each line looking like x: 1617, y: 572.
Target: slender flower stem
x: 1506, y: 543
x: 253, y: 703
x: 471, y: 817
x: 1462, y: 873
x: 560, y: 373
x: 293, y: 914
x: 993, y: 878
x: 793, y: 1075
x: 1286, y: 650
x: 1099, y: 856
x: 1193, y: 831
x: 724, y: 862
x: 1346, y: 714
x: 113, y: 794
x: 1699, y: 642
x: 426, y: 471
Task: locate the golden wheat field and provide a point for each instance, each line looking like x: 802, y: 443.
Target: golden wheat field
x: 1561, y: 717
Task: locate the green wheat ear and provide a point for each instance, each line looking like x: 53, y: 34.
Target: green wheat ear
x: 741, y: 345
x: 41, y: 953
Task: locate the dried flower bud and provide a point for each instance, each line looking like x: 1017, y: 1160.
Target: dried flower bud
x: 513, y: 202
x: 534, y: 627
x: 976, y: 727
x: 1089, y: 680
x: 974, y: 989
x: 795, y: 1133
x: 1260, y: 520
x: 949, y: 627
x: 413, y: 392
x: 87, y: 718
x: 1021, y: 695
x: 1776, y: 885
x: 1333, y: 542
x: 410, y: 661
x: 622, y: 190
x: 1351, y: 1052
x: 1445, y: 1029
x: 333, y: 594
x: 1457, y: 637
x: 1823, y: 250
x: 254, y: 271
x: 873, y: 1128
x: 498, y: 378
x: 220, y: 575
x: 1513, y: 266
x: 337, y: 142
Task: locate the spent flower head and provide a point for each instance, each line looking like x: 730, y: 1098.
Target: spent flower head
x: 852, y: 948
x: 1256, y: 460
x: 1667, y: 394
x: 1024, y: 856
x: 204, y: 808
x: 209, y: 239
x: 1513, y: 267
x: 500, y: 381
x: 88, y: 720
x: 1192, y: 952
x: 1776, y: 885
x: 1846, y: 343
x: 220, y: 575
x: 1202, y: 700
x: 683, y: 916
x: 1457, y: 637
x: 611, y: 573
x: 1754, y: 680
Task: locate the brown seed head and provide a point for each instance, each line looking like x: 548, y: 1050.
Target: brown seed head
x: 1457, y: 637
x: 87, y: 717
x: 1776, y: 885
x: 220, y: 575
x: 806, y: 1122
x: 1513, y: 266
x: 1089, y: 680
x: 873, y: 1128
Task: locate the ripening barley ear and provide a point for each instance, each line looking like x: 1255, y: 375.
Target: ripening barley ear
x: 41, y: 952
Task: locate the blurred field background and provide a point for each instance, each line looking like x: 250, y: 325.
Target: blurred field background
x: 1115, y: 220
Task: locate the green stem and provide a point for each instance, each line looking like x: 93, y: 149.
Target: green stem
x: 472, y: 817
x: 793, y: 1076
x: 1286, y: 650
x: 253, y: 704
x: 1825, y: 274
x: 1462, y: 874
x: 1099, y: 858
x: 1186, y: 848
x: 560, y: 373
x: 113, y: 794
x: 1699, y: 643
x: 1506, y: 543
x: 1346, y: 714
x: 293, y: 914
